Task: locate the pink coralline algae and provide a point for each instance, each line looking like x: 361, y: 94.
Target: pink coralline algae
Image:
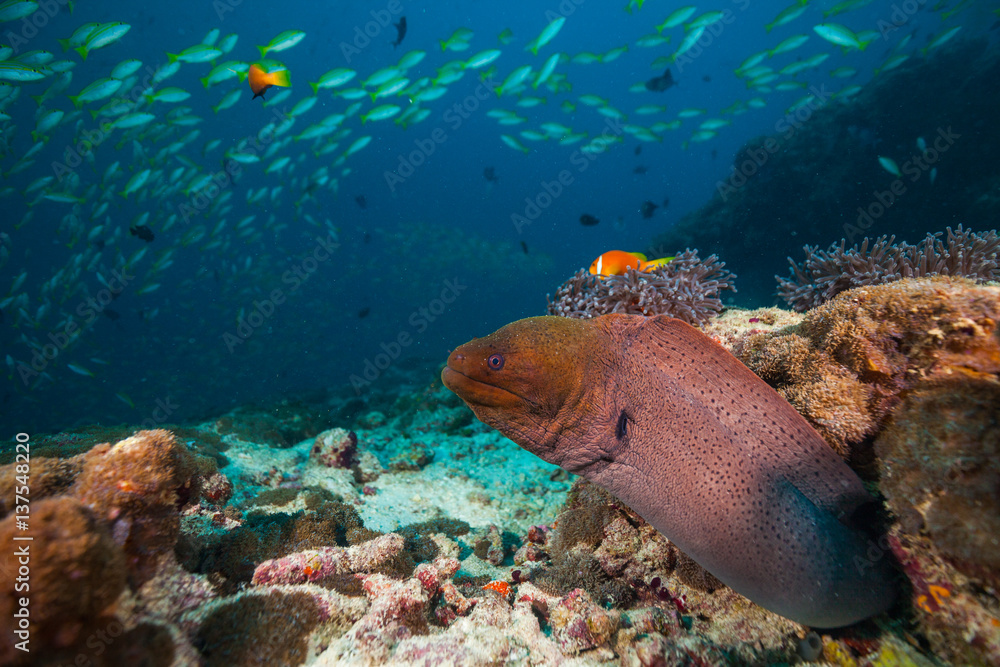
x: 216, y: 490
x: 324, y: 563
x: 399, y: 609
x: 533, y: 549
x: 335, y: 448
x: 578, y: 624
x: 428, y: 577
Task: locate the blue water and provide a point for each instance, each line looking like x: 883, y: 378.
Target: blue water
x: 432, y: 261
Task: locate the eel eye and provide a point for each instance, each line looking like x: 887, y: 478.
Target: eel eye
x: 621, y: 430
x: 495, y: 362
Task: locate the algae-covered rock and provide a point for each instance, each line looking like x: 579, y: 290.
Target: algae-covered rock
x: 137, y: 487
x: 73, y: 572
x: 846, y: 364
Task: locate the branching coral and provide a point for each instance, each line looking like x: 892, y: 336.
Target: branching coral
x: 686, y: 288
x: 826, y: 273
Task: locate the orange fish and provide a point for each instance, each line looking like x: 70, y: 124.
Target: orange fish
x: 501, y: 587
x: 260, y: 80
x: 614, y: 263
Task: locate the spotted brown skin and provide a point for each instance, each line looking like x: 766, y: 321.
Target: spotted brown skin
x: 676, y: 427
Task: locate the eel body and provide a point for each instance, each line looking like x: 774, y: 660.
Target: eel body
x: 677, y: 428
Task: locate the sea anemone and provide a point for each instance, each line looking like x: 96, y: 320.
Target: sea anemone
x: 826, y: 273
x: 686, y: 288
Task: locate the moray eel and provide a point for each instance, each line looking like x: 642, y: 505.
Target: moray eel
x: 677, y: 428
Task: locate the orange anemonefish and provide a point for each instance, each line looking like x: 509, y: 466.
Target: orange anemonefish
x: 614, y: 263
x: 260, y: 80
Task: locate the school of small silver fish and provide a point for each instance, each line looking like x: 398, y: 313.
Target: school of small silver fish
x: 163, y: 155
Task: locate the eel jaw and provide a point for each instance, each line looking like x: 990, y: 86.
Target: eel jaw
x: 478, y: 394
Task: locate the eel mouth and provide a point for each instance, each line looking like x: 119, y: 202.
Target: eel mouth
x: 456, y: 377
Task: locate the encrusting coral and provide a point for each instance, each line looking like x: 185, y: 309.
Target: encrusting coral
x: 112, y: 530
x: 826, y: 273
x: 941, y: 468
x: 137, y: 486
x: 846, y: 364
x: 686, y: 288
x: 68, y: 541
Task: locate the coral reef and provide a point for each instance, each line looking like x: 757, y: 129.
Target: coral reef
x: 903, y: 379
x: 281, y: 425
x: 956, y: 615
x: 111, y: 530
x: 578, y: 624
x: 232, y: 556
x: 940, y: 459
x: 404, y: 556
x: 940, y: 473
x: 846, y: 364
x: 137, y: 486
x: 490, y: 546
x: 686, y: 288
x: 323, y: 563
x: 258, y: 629
x: 49, y: 477
x: 826, y: 273
x: 69, y: 444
